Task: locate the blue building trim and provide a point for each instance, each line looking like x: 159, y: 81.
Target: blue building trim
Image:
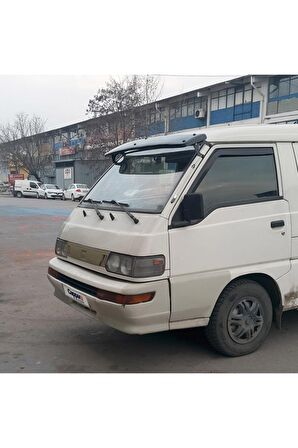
x: 178, y: 124
x: 156, y: 128
x: 240, y: 112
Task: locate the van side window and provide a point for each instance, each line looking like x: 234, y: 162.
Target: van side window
x: 237, y: 177
x: 33, y: 185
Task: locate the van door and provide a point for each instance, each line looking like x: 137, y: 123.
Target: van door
x: 32, y: 189
x: 246, y: 228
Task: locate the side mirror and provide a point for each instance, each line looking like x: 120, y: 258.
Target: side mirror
x: 192, y: 207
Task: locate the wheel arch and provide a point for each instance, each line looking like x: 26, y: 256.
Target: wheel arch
x: 272, y: 288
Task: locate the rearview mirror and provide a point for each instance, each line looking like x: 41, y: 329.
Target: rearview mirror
x: 192, y: 207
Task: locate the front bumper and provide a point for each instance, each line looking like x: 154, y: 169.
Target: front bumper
x: 149, y: 317
x: 54, y: 196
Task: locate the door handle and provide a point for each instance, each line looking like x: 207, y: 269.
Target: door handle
x: 275, y: 224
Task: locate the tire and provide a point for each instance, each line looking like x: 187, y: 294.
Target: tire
x: 72, y: 198
x: 241, y: 319
x: 19, y: 194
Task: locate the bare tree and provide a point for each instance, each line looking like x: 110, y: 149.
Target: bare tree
x: 22, y: 145
x: 119, y: 110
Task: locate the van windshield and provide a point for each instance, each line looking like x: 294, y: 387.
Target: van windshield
x: 143, y: 181
x: 51, y: 187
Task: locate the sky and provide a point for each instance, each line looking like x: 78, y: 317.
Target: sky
x: 63, y: 99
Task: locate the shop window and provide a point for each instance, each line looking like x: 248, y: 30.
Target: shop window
x: 172, y: 112
x: 178, y: 110
x: 283, y: 93
x: 222, y: 102
x: 214, y: 101
x: 157, y: 117
x: 190, y: 107
x: 294, y: 85
x: 248, y: 95
x: 239, y: 97
x: 284, y: 87
x: 230, y: 100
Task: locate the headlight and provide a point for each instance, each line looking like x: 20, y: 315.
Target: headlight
x: 136, y: 266
x: 61, y: 248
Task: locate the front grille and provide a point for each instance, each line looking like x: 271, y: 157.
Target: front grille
x: 88, y: 289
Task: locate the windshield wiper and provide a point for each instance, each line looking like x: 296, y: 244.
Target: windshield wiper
x: 122, y: 206
x: 94, y: 204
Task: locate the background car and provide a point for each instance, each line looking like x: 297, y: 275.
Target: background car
x: 3, y: 187
x: 76, y: 191
x: 26, y: 188
x: 51, y: 191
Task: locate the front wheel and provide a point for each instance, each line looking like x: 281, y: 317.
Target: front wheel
x: 241, y: 319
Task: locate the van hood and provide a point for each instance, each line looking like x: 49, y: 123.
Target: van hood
x: 85, y: 231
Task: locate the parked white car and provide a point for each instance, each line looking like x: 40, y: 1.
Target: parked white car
x: 51, y: 191
x: 76, y: 191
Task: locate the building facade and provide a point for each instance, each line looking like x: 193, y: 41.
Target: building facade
x: 78, y: 149
x: 251, y: 99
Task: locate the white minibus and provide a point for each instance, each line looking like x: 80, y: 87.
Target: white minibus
x: 191, y: 229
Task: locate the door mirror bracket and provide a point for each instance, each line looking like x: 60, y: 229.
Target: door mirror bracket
x: 191, y: 210
x: 192, y: 207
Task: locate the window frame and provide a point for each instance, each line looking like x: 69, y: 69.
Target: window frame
x: 239, y: 151
x: 279, y: 80
x: 190, y: 107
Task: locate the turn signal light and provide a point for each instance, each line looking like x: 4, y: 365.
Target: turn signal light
x: 53, y: 273
x: 122, y: 299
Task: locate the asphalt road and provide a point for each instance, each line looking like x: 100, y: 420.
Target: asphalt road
x: 38, y: 333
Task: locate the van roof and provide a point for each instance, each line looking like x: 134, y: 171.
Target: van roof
x: 227, y: 134
x: 256, y: 133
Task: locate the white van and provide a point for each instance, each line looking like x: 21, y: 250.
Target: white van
x: 30, y: 188
x: 189, y: 230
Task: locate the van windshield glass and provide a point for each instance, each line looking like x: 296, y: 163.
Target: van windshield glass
x: 52, y: 187
x: 143, y: 181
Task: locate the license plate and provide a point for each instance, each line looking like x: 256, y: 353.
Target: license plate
x: 76, y: 296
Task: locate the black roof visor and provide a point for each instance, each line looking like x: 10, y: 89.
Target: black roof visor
x: 164, y: 141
